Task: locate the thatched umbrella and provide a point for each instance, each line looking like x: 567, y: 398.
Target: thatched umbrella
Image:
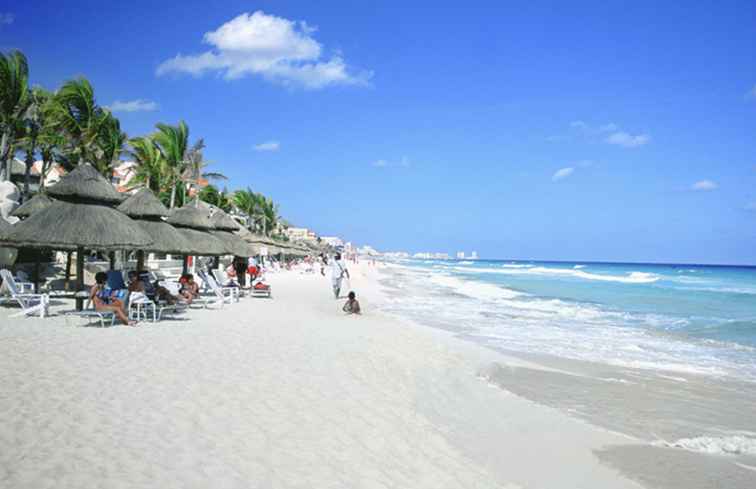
x: 32, y: 206
x: 194, y: 223
x: 244, y: 234
x: 80, y: 216
x: 148, y: 211
x: 224, y: 230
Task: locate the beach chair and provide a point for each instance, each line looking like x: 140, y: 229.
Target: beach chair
x: 146, y: 305
x: 30, y: 303
x: 260, y: 289
x: 23, y: 284
x: 225, y: 295
x: 223, y: 280
x: 90, y: 313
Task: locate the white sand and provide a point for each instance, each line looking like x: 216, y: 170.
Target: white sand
x: 286, y: 393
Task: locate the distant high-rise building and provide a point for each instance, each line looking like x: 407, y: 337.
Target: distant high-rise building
x: 460, y: 255
x: 474, y: 255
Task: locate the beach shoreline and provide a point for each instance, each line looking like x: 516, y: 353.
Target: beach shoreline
x: 276, y: 393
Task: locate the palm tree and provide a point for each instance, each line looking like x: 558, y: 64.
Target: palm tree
x: 14, y: 102
x: 244, y: 200
x: 109, y: 144
x: 150, y: 164
x: 194, y: 165
x: 49, y: 141
x: 173, y: 143
x: 259, y: 208
x: 87, y: 127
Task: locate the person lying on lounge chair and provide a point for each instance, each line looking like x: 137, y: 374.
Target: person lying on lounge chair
x: 102, y: 300
x: 140, y: 282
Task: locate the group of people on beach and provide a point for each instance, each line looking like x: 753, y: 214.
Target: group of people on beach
x: 107, y: 299
x: 338, y: 273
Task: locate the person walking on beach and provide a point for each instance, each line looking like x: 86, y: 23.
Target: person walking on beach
x: 338, y: 271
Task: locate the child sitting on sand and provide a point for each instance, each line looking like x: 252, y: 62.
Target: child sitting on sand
x: 352, y: 305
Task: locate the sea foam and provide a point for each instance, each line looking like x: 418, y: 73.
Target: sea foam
x: 727, y: 445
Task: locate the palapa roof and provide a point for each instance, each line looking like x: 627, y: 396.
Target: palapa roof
x: 223, y: 221
x: 32, y: 206
x: 143, y: 203
x: 165, y: 238
x: 5, y: 227
x: 190, y: 216
x: 66, y: 226
x: 85, y: 183
x: 234, y: 244
x: 203, y: 243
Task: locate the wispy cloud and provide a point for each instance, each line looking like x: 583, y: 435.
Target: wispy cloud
x: 268, y: 146
x: 403, y: 162
x: 751, y: 206
x: 703, y: 185
x: 751, y: 94
x: 609, y: 133
x: 138, y: 105
x: 562, y: 173
x: 6, y: 18
x: 627, y: 140
x: 275, y: 48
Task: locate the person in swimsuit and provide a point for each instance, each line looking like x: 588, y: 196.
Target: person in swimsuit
x: 102, y: 300
x: 352, y: 305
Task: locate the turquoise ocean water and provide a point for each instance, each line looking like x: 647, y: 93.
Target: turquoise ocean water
x: 686, y: 318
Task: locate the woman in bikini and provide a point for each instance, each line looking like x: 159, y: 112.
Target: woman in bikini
x: 102, y: 300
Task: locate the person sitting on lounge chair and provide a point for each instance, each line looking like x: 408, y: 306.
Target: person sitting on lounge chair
x: 352, y: 305
x: 102, y: 300
x: 189, y: 288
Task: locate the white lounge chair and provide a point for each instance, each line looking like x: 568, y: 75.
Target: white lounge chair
x: 225, y: 295
x: 30, y: 303
x: 89, y: 312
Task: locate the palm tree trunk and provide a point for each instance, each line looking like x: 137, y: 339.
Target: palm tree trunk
x: 4, y: 156
x: 46, y: 164
x: 173, y: 196
x: 27, y: 173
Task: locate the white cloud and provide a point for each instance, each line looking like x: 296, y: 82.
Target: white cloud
x: 6, y: 18
x: 138, y: 105
x: 626, y: 140
x: 704, y: 185
x: 403, y: 162
x: 268, y: 146
x: 562, y: 173
x: 609, y: 133
x: 275, y: 48
x: 751, y: 94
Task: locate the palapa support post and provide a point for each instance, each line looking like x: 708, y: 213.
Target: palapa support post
x: 36, y: 272
x: 112, y: 260
x: 140, y: 260
x: 68, y: 271
x: 79, y: 277
x: 185, y: 266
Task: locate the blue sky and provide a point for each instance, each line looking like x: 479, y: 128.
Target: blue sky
x: 600, y: 131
